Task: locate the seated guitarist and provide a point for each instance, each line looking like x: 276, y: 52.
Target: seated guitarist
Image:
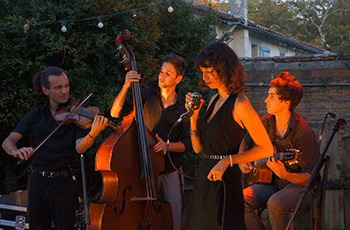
x: 287, y: 131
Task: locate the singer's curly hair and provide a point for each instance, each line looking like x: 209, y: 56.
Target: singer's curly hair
x: 288, y: 89
x: 226, y: 63
x: 42, y: 78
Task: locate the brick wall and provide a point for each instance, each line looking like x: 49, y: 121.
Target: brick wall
x: 326, y: 84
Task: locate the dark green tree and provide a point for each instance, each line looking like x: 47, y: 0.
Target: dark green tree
x: 31, y: 39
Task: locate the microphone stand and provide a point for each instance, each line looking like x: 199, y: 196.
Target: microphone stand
x: 314, y: 173
x: 83, y: 224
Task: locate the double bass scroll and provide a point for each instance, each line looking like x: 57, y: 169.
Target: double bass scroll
x: 129, y: 170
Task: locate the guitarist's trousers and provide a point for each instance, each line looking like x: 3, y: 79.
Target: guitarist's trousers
x: 279, y: 204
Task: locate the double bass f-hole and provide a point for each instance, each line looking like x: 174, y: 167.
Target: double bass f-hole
x: 124, y: 198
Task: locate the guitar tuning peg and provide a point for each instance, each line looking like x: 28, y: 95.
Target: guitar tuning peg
x: 293, y: 162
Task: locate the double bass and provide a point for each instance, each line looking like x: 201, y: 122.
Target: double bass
x: 129, y: 170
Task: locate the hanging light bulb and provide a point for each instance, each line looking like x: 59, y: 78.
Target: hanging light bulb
x: 100, y: 24
x: 26, y: 27
x: 64, y: 28
x: 170, y: 8
x: 134, y: 15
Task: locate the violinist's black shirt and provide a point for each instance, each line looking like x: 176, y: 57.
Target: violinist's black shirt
x: 58, y: 152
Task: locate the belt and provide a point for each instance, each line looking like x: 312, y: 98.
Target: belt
x: 214, y: 157
x: 49, y: 174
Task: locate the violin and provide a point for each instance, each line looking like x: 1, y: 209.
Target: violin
x: 83, y: 117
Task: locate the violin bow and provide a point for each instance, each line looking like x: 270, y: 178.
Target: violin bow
x: 60, y: 124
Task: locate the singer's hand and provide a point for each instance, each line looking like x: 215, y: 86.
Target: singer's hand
x: 218, y: 170
x: 189, y: 102
x: 131, y: 76
x: 23, y: 153
x: 160, y: 146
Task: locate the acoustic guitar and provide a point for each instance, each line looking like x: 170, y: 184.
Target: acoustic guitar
x: 261, y: 174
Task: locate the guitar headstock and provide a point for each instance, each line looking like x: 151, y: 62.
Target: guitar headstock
x: 289, y: 156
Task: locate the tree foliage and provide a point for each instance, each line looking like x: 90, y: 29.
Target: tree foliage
x: 88, y: 54
x: 322, y: 23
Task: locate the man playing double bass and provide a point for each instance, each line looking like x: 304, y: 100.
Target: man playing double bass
x: 163, y: 105
x: 52, y: 192
x: 287, y: 130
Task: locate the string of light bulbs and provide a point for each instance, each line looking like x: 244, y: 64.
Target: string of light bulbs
x: 97, y: 18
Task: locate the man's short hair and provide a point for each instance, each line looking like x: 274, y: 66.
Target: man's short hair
x: 288, y: 89
x: 178, y: 62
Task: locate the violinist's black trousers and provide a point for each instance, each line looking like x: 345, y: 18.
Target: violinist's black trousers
x: 52, y: 199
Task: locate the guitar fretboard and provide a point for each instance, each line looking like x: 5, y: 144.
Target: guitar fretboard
x: 287, y: 155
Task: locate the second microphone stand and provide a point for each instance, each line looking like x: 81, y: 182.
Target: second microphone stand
x: 311, y: 183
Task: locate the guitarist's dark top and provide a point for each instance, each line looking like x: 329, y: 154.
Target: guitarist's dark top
x: 299, y: 136
x: 221, y: 136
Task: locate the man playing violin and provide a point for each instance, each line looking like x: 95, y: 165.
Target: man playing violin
x: 52, y: 192
x: 163, y: 105
x: 287, y: 130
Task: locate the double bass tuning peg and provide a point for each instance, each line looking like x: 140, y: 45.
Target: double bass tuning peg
x: 119, y: 52
x: 126, y: 63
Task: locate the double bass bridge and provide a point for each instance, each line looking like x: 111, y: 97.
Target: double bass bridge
x: 136, y: 199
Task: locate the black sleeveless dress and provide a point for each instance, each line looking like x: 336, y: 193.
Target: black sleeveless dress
x: 214, y: 202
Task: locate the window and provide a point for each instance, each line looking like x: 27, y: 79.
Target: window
x: 282, y: 53
x: 264, y: 52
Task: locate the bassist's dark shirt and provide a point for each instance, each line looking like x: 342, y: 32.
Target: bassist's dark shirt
x: 160, y: 120
x: 299, y: 136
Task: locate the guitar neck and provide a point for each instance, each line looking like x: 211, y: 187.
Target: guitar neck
x: 261, y: 162
x: 283, y: 156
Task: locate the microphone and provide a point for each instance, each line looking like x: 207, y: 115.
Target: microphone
x: 196, y: 100
x: 340, y: 120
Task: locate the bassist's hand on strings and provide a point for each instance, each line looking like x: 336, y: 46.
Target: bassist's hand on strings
x: 131, y: 76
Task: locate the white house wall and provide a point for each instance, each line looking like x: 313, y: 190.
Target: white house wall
x: 242, y: 42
